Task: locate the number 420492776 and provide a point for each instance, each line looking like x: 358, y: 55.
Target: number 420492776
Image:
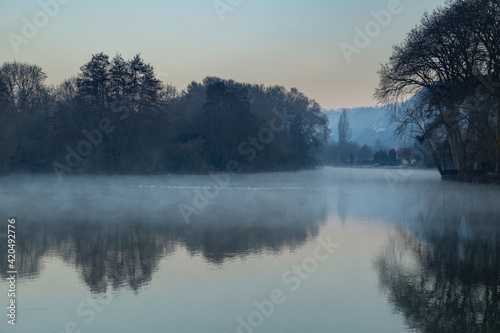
x: 11, y: 240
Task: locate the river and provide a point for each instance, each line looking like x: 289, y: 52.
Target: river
x: 331, y: 250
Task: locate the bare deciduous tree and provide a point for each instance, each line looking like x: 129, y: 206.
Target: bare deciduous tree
x: 442, y: 62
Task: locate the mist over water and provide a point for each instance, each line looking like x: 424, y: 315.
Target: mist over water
x: 126, y: 235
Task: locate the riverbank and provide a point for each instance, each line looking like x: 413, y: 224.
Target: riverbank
x: 472, y: 177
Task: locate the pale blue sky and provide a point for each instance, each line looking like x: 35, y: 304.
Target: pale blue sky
x: 287, y: 42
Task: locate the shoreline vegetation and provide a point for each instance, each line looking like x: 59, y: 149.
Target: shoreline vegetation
x: 117, y: 117
x: 442, y: 84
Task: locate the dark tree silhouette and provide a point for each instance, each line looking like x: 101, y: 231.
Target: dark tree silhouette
x: 115, y: 116
x: 442, y: 83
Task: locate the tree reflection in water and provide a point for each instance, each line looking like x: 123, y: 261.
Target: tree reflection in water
x: 124, y: 249
x: 443, y: 273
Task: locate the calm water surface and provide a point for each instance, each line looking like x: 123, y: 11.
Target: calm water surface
x: 335, y: 250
